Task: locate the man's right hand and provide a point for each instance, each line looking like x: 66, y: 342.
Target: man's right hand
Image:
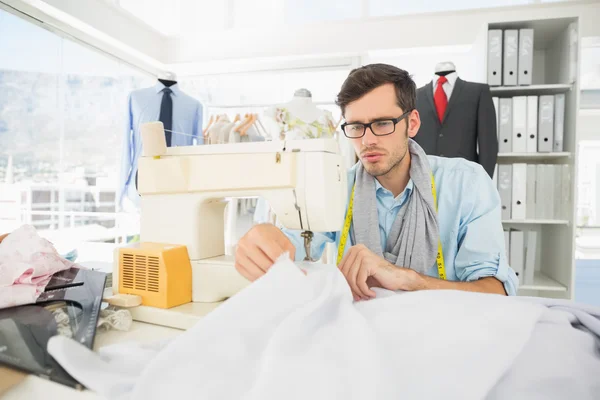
x: 258, y: 249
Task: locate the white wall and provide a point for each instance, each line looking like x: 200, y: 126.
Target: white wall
x: 359, y: 36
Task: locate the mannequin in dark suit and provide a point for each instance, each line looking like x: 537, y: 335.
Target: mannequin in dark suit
x: 469, y: 120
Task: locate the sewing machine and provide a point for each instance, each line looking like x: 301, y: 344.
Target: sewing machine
x: 183, y: 197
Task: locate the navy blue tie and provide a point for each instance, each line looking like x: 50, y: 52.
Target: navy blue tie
x: 166, y: 113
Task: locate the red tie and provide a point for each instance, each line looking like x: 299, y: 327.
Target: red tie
x: 440, y: 99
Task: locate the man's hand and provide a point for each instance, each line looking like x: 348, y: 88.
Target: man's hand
x: 258, y: 249
x: 364, y: 269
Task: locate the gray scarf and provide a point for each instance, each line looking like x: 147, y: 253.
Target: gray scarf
x: 413, y: 239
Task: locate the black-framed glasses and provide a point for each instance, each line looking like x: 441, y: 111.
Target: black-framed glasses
x: 381, y: 127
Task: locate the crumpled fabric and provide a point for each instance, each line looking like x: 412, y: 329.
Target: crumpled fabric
x: 27, y: 262
x: 296, y: 336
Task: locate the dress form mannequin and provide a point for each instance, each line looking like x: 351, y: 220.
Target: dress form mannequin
x: 444, y: 68
x: 467, y: 127
x: 303, y: 107
x: 144, y: 105
x: 300, y: 118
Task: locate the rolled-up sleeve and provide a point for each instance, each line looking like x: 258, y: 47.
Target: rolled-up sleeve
x: 481, y: 249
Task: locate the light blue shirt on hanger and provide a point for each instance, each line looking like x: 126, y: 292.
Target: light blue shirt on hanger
x: 469, y: 219
x: 144, y: 106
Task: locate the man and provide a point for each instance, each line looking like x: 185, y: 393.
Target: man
x: 396, y: 230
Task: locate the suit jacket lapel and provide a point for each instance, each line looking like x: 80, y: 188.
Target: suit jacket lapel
x: 429, y: 94
x: 454, y: 97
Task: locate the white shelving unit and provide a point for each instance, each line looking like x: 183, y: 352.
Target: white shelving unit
x: 544, y: 283
x: 524, y: 157
x: 532, y: 89
x: 555, y: 265
x: 535, y: 222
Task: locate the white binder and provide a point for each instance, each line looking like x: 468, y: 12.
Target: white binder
x: 505, y: 189
x: 531, y: 192
x: 540, y: 196
x: 525, y: 56
x: 496, y: 102
x: 519, y: 128
x: 559, y: 122
x: 495, y: 57
x: 511, y: 57
x: 505, y: 130
x: 546, y: 124
x: 532, y: 124
x: 519, y: 191
x: 517, y: 252
x: 530, y: 255
x: 495, y: 177
x: 549, y: 191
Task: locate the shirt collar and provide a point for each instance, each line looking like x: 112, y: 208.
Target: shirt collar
x: 159, y: 86
x: 452, y: 77
x: 406, y: 192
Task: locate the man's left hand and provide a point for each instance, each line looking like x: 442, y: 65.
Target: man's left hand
x: 364, y: 269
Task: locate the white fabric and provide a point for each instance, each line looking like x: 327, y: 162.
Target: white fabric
x: 27, y: 262
x: 448, y: 86
x: 291, y: 336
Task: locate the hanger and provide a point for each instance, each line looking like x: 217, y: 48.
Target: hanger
x: 237, y: 118
x: 240, y: 127
x: 244, y: 129
x: 210, y: 122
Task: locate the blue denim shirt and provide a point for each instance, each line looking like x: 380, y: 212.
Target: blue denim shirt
x: 469, y: 218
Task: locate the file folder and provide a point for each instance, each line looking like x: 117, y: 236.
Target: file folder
x: 505, y: 131
x: 540, y: 196
x: 549, y: 191
x: 495, y: 177
x: 532, y: 124
x: 531, y: 192
x: 495, y: 57
x: 505, y: 189
x: 519, y: 129
x: 530, y: 255
x: 525, y: 56
x: 511, y: 57
x: 519, y: 191
x: 496, y: 102
x: 517, y: 250
x: 546, y: 124
x: 559, y: 122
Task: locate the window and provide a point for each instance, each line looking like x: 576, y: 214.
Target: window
x: 61, y: 126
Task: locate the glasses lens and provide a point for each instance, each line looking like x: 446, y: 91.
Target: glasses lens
x: 354, y: 130
x: 383, y: 127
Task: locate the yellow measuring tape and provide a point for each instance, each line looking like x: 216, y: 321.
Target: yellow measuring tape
x: 346, y: 231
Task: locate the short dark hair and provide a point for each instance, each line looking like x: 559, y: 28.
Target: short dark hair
x: 362, y: 80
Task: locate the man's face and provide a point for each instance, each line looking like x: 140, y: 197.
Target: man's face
x: 381, y: 154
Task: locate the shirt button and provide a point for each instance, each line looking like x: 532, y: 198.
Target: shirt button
x: 441, y: 154
x: 441, y: 135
